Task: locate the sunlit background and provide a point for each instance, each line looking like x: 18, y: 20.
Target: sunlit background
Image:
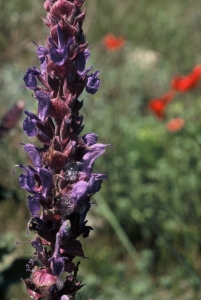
x: 146, y: 243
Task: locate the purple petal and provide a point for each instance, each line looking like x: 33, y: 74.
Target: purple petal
x: 36, y: 243
x: 81, y: 60
x: 57, y: 265
x: 34, y: 154
x: 60, y: 53
x: 33, y: 204
x: 31, y: 116
x: 91, y: 155
x: 43, y: 104
x: 47, y: 184
x: 58, y: 56
x: 29, y: 123
x: 94, y: 184
x: 30, y: 78
x: 100, y: 176
x: 90, y: 138
x: 31, y: 169
x: 65, y: 229
x: 41, y: 53
x: 27, y: 182
x: 93, y: 83
x: 79, y: 192
x: 29, y: 127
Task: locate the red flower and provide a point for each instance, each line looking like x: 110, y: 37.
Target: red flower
x: 112, y: 43
x: 188, y: 82
x: 158, y: 106
x: 175, y: 124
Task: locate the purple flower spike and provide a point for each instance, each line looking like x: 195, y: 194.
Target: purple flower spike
x: 30, y: 78
x: 93, y: 83
x: 33, y: 204
x: 59, y: 53
x: 43, y: 104
x: 60, y: 181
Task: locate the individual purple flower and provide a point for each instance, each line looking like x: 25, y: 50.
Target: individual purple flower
x: 93, y: 83
x: 79, y: 192
x: 27, y: 180
x: 57, y: 264
x: 42, y: 52
x: 36, y: 181
x: 46, y: 180
x: 80, y: 62
x: 43, y: 104
x: 79, y: 223
x: 34, y: 154
x: 57, y: 261
x: 30, y: 78
x: 91, y: 155
x: 33, y: 204
x: 94, y: 184
x: 59, y: 53
x: 29, y: 124
x: 36, y: 243
x: 90, y: 138
x: 29, y: 127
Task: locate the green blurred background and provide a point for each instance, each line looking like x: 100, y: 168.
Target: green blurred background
x: 146, y: 243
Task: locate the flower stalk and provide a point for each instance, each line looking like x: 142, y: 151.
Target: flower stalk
x: 61, y: 181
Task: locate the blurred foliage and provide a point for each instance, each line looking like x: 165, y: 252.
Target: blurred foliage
x: 153, y: 188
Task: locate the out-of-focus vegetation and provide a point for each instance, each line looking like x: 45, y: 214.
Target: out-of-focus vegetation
x: 147, y: 239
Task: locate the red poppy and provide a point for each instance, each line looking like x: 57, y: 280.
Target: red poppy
x: 158, y: 106
x: 175, y: 124
x: 188, y: 82
x: 111, y: 42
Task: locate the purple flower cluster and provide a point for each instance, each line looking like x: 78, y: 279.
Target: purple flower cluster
x: 61, y: 179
